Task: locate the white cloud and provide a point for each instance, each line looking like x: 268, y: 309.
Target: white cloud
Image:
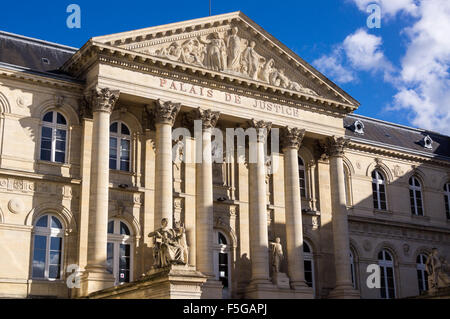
x: 360, y: 51
x: 390, y: 7
x: 331, y: 65
x: 424, y: 79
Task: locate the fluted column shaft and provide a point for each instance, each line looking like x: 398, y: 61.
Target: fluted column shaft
x: 259, y: 241
x: 291, y: 139
x: 204, y: 192
x: 102, y: 102
x: 165, y: 114
x: 340, y: 218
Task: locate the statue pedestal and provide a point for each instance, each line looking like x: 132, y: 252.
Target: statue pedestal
x: 281, y: 280
x: 174, y: 282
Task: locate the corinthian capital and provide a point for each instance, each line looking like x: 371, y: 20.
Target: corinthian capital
x: 166, y: 112
x: 334, y: 146
x: 103, y: 99
x: 208, y: 117
x: 291, y: 137
x: 262, y: 128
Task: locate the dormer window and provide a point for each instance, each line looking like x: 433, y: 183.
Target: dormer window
x: 427, y: 142
x: 358, y: 127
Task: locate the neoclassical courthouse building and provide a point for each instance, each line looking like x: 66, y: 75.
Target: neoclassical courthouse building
x: 87, y: 169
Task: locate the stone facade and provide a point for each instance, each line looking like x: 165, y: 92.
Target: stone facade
x: 228, y: 72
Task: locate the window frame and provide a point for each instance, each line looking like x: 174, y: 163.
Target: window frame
x: 119, y: 137
x: 447, y: 199
x: 117, y: 239
x: 384, y: 264
x: 54, y: 126
x: 302, y: 168
x: 48, y: 232
x: 353, y: 269
x: 414, y: 189
x: 421, y: 268
x: 309, y: 256
x: 379, y: 179
x: 222, y: 249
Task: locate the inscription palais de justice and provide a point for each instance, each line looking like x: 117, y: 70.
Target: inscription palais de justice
x: 227, y: 97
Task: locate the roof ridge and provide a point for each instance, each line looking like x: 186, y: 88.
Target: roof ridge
x: 38, y: 41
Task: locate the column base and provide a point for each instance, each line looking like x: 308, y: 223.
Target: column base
x: 261, y: 289
x: 95, y: 279
x: 212, y: 289
x: 302, y: 290
x: 344, y: 292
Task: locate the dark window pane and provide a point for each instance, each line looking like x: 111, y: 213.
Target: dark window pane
x: 125, y: 130
x: 55, y: 258
x: 60, y: 119
x: 60, y: 157
x: 60, y: 145
x: 61, y: 134
x: 56, y: 223
x: 306, y: 248
x: 46, y: 144
x: 111, y: 227
x: 124, y: 229
x: 112, y: 164
x: 53, y: 271
x: 300, y: 162
x: 109, y: 257
x: 40, y: 242
x: 113, y: 142
x: 55, y: 243
x: 45, y: 155
x: 124, y: 166
x: 46, y: 132
x: 222, y: 239
x: 42, y: 222
x: 48, y: 117
x: 113, y: 128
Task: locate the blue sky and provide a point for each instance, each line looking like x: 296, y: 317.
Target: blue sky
x: 399, y: 72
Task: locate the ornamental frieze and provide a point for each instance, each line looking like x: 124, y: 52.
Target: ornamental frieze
x: 228, y: 52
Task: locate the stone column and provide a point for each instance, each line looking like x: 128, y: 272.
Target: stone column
x: 204, y: 205
x: 96, y: 276
x: 259, y: 241
x: 165, y: 114
x: 344, y: 288
x: 291, y: 139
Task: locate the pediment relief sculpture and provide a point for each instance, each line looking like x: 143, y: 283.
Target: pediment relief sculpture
x: 226, y: 51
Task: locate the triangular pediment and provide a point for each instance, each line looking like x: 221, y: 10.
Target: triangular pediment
x: 233, y: 45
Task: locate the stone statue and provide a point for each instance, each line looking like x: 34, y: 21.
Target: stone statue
x: 167, y: 248
x: 215, y: 58
x: 437, y: 278
x: 277, y: 254
x: 182, y: 242
x: 234, y: 51
x: 252, y: 60
x: 267, y: 70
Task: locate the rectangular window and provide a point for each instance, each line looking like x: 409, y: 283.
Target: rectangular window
x: 40, y: 244
x: 124, y: 263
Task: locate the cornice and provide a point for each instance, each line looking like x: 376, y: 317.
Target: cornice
x: 40, y: 78
x: 397, y: 152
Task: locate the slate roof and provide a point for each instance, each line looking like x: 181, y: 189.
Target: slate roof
x: 33, y: 54
x: 397, y: 136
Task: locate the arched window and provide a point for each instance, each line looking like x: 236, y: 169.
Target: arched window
x: 308, y: 260
x: 302, y: 177
x: 422, y: 275
x: 119, y: 259
x: 352, y: 269
x: 378, y: 190
x: 222, y: 255
x: 47, y: 248
x: 415, y: 195
x: 53, y: 137
x: 447, y: 199
x: 119, y: 147
x: 386, y: 263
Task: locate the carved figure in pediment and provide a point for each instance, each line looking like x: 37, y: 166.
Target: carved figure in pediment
x: 253, y: 60
x: 215, y: 58
x: 267, y: 70
x: 234, y: 51
x: 191, y: 52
